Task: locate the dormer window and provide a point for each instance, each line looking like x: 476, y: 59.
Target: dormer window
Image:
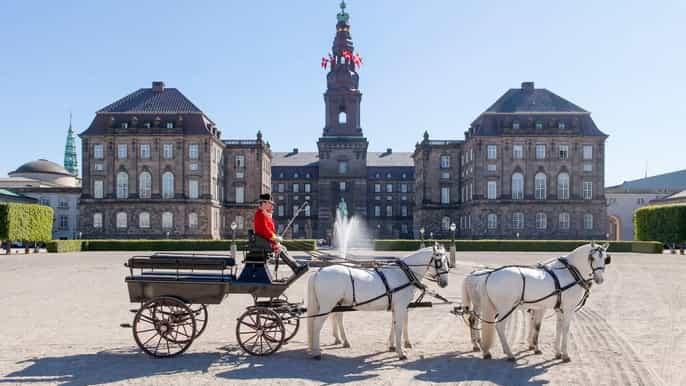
x: 296, y: 175
x: 124, y: 125
x: 515, y: 124
x: 342, y: 118
x: 147, y: 125
x: 561, y: 125
x: 539, y: 125
x: 170, y: 125
x: 389, y: 176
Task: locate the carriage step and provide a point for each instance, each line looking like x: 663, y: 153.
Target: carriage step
x: 125, y: 325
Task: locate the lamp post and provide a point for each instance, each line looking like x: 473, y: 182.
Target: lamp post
x: 452, y: 245
x: 421, y: 232
x: 167, y: 235
x: 378, y: 231
x: 233, y: 239
x: 517, y: 234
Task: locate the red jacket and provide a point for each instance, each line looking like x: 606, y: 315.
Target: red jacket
x: 264, y: 227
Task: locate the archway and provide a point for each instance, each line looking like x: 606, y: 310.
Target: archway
x: 615, y: 225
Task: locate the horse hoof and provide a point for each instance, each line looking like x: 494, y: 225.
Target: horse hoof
x: 346, y: 345
x: 476, y: 348
x: 566, y: 359
x: 408, y: 345
x: 335, y: 342
x: 487, y: 356
x: 532, y: 347
x: 558, y: 356
x: 402, y: 357
x: 510, y: 359
x: 317, y: 357
x: 391, y: 348
x: 538, y: 352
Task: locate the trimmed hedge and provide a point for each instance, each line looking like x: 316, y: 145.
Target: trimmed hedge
x: 25, y: 222
x: 518, y: 245
x: 664, y: 223
x: 164, y: 245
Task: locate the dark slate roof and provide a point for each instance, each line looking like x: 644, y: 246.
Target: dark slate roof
x: 529, y: 99
x: 145, y: 100
x: 10, y: 196
x: 386, y: 159
x: 307, y: 158
x: 42, y: 166
x: 663, y: 183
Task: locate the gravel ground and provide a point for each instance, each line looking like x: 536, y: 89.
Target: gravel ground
x: 62, y: 314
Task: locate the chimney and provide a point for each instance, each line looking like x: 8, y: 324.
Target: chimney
x: 295, y: 150
x: 158, y: 86
x: 528, y: 86
x: 389, y: 151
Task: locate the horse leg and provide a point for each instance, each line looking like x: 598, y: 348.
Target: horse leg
x: 566, y: 322
x: 399, y: 321
x: 317, y: 325
x: 558, y: 335
x: 473, y: 321
x: 334, y: 326
x: 536, y: 318
x: 406, y: 334
x: 500, y: 328
x: 391, y: 334
x: 339, y: 324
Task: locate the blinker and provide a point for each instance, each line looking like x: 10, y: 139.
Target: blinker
x: 608, y: 260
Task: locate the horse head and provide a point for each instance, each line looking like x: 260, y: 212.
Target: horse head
x: 439, y: 265
x: 596, y: 257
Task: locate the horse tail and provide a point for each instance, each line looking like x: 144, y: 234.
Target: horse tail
x: 466, y: 298
x: 312, y: 307
x: 488, y: 315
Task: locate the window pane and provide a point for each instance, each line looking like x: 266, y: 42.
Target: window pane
x: 240, y: 194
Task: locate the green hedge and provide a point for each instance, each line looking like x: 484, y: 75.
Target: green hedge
x: 518, y: 245
x: 25, y: 222
x: 664, y: 223
x: 163, y: 245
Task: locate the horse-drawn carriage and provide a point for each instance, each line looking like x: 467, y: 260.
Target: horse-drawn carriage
x: 174, y: 290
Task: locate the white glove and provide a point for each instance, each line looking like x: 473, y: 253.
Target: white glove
x: 278, y: 239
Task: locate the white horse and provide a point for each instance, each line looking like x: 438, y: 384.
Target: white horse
x: 347, y: 286
x: 504, y: 290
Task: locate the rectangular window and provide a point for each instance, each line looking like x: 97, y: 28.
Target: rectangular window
x: 98, y: 188
x: 492, y: 221
x: 239, y: 164
x: 445, y: 175
x: 389, y: 188
x: 403, y: 188
x: 193, y: 151
x: 280, y: 210
x: 491, y: 152
x: 492, y: 193
x: 342, y: 186
x: 167, y: 151
x: 308, y: 210
x: 389, y: 211
x: 491, y: 167
x: 342, y: 167
x: 240, y: 194
x: 97, y: 220
x: 564, y: 221
x: 99, y: 167
x: 445, y: 195
x: 193, y: 189
x: 122, y: 151
x: 564, y: 152
x: 281, y: 187
x: 45, y: 201
x: 541, y: 221
x: 169, y: 125
x: 588, y: 152
x: 518, y: 220
x: 377, y: 188
x: 403, y: 210
x: 588, y: 221
x: 195, y: 167
x: 295, y: 209
x: 403, y: 228
x: 145, y: 151
x: 588, y: 190
x: 540, y: 151
x: 296, y: 228
x: 296, y: 188
x: 64, y: 222
x: 98, y: 152
x: 518, y: 152
x: 377, y: 211
x: 588, y: 167
x: 445, y: 161
x: 308, y: 188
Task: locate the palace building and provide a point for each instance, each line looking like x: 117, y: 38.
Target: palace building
x: 530, y: 166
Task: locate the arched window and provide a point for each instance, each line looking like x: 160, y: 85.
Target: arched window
x: 518, y: 220
x: 121, y: 220
x: 97, y: 220
x: 192, y: 220
x: 342, y: 118
x: 541, y: 220
x: 144, y: 185
x: 563, y: 186
x: 518, y: 186
x: 122, y: 185
x: 445, y: 223
x: 167, y: 220
x: 168, y: 185
x: 588, y: 221
x: 540, y: 186
x: 563, y: 221
x: 144, y: 220
x: 492, y: 221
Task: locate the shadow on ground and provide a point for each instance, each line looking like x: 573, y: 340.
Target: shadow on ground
x: 121, y: 365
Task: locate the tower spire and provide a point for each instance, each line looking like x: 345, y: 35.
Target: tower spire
x: 71, y: 163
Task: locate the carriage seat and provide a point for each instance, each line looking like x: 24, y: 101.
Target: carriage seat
x: 258, y: 244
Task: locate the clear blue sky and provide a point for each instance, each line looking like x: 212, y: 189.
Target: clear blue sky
x: 428, y: 65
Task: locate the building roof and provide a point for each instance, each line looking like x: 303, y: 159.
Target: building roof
x: 528, y: 99
x: 662, y: 183
x: 8, y: 195
x: 295, y: 158
x: 374, y: 159
x: 149, y: 100
x: 41, y: 166
x: 389, y: 159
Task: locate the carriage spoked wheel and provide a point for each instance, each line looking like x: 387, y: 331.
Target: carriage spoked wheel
x: 199, y: 312
x: 260, y: 331
x: 164, y: 327
x: 291, y: 323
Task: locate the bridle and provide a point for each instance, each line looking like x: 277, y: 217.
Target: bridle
x: 438, y: 266
x: 607, y: 261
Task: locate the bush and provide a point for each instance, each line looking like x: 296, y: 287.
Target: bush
x: 664, y: 223
x: 25, y: 222
x: 164, y: 245
x: 518, y: 245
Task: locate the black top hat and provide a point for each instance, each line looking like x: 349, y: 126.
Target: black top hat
x: 265, y: 197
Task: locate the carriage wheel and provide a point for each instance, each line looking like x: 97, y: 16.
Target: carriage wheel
x: 164, y: 327
x: 291, y: 323
x: 199, y: 312
x: 260, y: 331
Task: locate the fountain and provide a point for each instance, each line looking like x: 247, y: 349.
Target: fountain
x: 349, y: 232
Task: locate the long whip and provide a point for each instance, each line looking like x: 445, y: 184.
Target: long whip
x: 297, y: 212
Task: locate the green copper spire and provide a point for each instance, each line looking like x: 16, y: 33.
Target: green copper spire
x: 71, y: 163
x: 343, y: 16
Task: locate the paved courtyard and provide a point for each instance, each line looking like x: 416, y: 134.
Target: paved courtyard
x: 61, y: 316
